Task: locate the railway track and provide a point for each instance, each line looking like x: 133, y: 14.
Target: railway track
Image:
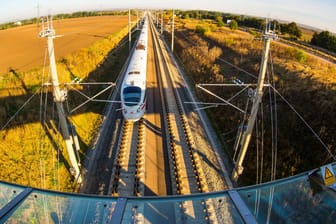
x: 128, y: 171
x: 187, y: 176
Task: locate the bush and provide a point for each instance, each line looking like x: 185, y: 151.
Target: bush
x: 233, y: 25
x: 301, y: 56
x: 202, y: 29
x: 325, y: 40
x: 292, y: 29
x: 220, y: 22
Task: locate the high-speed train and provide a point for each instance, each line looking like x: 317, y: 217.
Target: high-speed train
x: 133, y: 89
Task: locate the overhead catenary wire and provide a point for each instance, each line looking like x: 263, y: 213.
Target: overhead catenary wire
x: 273, y: 156
x: 306, y: 123
x: 220, y: 98
x: 262, y: 142
x: 274, y: 120
x: 270, y: 204
x: 55, y: 165
x: 90, y: 98
x: 19, y: 110
x: 258, y: 175
x: 41, y: 119
x: 226, y: 62
x: 240, y: 131
x: 41, y: 142
x: 274, y: 138
x: 239, y: 69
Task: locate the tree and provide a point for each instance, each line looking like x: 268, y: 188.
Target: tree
x: 325, y: 40
x: 219, y: 20
x: 185, y: 16
x: 292, y: 29
x: 233, y: 25
x: 202, y: 29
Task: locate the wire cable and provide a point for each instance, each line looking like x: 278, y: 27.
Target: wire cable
x: 240, y: 131
x: 256, y: 203
x: 262, y: 144
x: 18, y: 111
x: 225, y: 61
x: 274, y: 122
x: 41, y: 116
x: 305, y: 122
x: 272, y: 130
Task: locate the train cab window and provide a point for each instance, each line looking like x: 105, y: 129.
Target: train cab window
x: 132, y: 95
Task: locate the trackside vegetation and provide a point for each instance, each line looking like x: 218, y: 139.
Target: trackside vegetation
x: 323, y: 39
x: 32, y: 152
x: 306, y: 82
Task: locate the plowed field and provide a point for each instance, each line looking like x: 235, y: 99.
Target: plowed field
x: 22, y: 49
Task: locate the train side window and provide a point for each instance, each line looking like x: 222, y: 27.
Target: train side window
x: 134, y: 73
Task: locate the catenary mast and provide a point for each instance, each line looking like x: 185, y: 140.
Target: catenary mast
x: 59, y: 98
x: 244, y: 143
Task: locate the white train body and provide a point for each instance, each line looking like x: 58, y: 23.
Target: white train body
x: 133, y: 89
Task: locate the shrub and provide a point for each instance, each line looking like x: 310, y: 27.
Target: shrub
x: 202, y: 30
x: 301, y: 56
x: 233, y: 25
x: 220, y: 22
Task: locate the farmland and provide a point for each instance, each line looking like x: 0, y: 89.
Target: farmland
x: 22, y: 48
x: 32, y: 152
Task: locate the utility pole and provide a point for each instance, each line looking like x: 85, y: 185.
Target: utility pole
x: 137, y: 20
x: 161, y: 23
x: 172, y: 42
x: 244, y: 143
x: 59, y: 98
x: 157, y: 19
x: 129, y: 29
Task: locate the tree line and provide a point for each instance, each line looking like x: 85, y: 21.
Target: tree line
x: 64, y: 16
x: 323, y: 39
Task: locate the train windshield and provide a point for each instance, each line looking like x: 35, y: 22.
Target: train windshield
x: 132, y: 95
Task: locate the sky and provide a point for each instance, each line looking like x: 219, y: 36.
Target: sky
x: 316, y: 13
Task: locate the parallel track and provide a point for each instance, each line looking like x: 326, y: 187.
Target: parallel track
x: 185, y: 167
x: 127, y: 171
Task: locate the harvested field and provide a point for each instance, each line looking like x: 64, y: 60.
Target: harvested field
x: 84, y: 52
x: 22, y: 49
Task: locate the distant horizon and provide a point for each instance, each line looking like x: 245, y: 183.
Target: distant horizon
x: 319, y: 15
x: 310, y: 27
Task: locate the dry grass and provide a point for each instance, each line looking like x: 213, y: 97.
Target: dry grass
x: 26, y: 161
x: 307, y: 81
x: 321, y: 70
x: 307, y: 34
x: 35, y: 155
x: 87, y: 130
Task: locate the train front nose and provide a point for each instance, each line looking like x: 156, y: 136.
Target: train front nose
x: 132, y: 114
